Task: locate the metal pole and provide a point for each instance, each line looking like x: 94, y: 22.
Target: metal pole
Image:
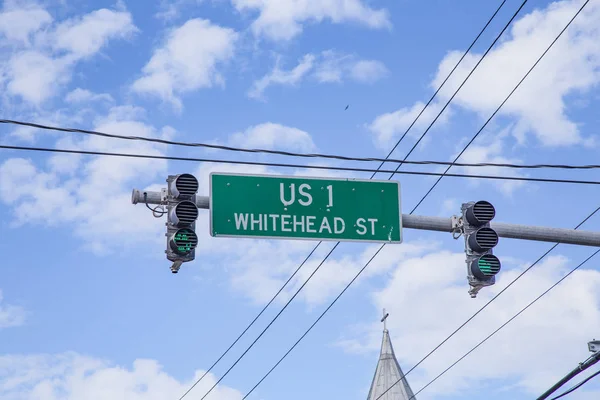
x: 579, y: 369
x: 512, y: 231
x: 441, y: 224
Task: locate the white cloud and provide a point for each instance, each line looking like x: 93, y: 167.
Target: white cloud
x: 171, y: 9
x: 328, y: 67
x: 519, y: 353
x: 273, y: 136
x: 38, y: 68
x: 489, y: 149
x: 10, y: 315
x: 187, y: 61
x: 571, y: 66
x: 336, y: 272
x: 79, y: 95
x: 35, y: 76
x: 449, y: 206
x: 368, y: 71
x: 284, y: 19
x: 85, y: 36
x: 389, y: 127
x: 281, y: 77
x: 335, y: 66
x: 17, y: 24
x: 71, y: 188
x: 71, y: 376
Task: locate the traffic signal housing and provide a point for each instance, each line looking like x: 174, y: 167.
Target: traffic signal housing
x: 480, y: 239
x: 182, y: 213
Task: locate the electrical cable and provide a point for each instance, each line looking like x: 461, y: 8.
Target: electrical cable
x: 381, y: 247
x: 252, y: 322
x: 155, y: 211
x: 580, y: 384
x: 269, y: 325
x: 330, y: 156
x: 379, y: 168
x: 313, y: 324
x: 481, y: 309
x: 456, y: 92
x: 468, y: 144
x: 507, y: 322
x: 511, y: 93
x: 301, y: 166
x: 438, y: 346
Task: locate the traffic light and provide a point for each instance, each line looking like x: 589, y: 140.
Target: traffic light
x: 182, y: 213
x: 480, y: 239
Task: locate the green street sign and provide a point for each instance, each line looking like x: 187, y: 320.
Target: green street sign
x: 286, y: 207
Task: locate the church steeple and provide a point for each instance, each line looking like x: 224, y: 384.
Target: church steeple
x: 388, y: 372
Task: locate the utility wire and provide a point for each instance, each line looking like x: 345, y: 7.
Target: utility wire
x: 506, y: 323
x: 468, y: 144
x: 378, y: 169
x: 269, y: 325
x: 438, y: 346
x: 513, y: 91
x: 456, y: 92
x: 253, y: 321
x: 301, y: 166
x: 580, y: 384
x: 480, y: 310
x: 313, y: 324
x: 381, y: 247
x: 337, y: 157
x: 314, y: 155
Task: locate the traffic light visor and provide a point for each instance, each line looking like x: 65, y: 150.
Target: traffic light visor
x: 480, y: 213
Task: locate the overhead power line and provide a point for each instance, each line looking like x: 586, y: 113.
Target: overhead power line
x: 456, y: 92
x: 300, y: 166
x: 381, y: 247
x: 481, y: 309
x: 267, y: 327
x: 313, y: 155
x: 379, y: 168
x: 507, y: 322
x: 252, y: 323
x: 443, y: 84
x: 545, y: 254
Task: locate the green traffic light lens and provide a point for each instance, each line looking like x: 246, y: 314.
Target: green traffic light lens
x: 184, y: 241
x: 486, y: 266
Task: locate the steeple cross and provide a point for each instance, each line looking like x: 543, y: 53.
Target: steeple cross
x: 385, y: 315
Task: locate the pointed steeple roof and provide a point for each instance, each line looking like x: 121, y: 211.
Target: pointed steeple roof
x: 388, y: 372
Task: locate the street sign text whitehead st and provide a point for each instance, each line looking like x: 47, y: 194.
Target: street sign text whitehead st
x: 285, y: 207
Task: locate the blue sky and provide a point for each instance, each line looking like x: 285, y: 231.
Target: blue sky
x: 89, y: 308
